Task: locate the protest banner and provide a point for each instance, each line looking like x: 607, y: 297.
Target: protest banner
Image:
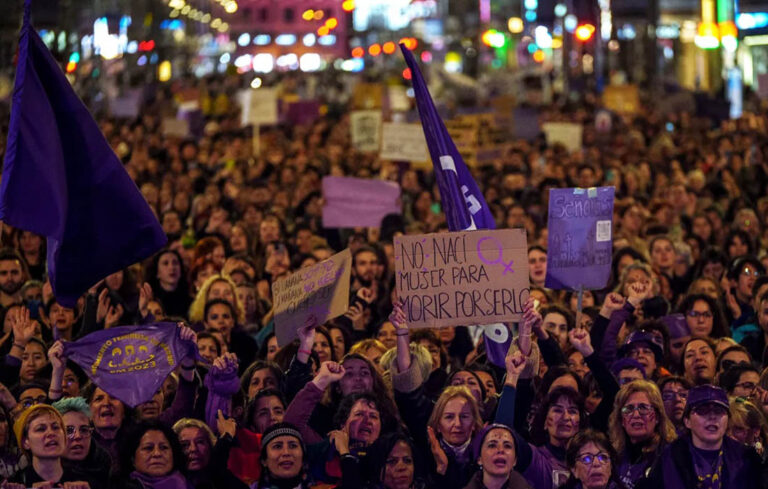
x: 175, y: 128
x: 259, y: 107
x: 303, y: 112
x: 479, y: 138
x: 403, y: 142
x: 353, y: 202
x: 462, y: 278
x: 580, y: 241
x: 566, y: 133
x: 130, y: 363
x: 321, y: 290
x: 622, y: 99
x: 127, y: 105
x: 398, y: 98
x: 365, y: 127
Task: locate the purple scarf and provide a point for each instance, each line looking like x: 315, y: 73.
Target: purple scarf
x: 174, y: 480
x: 222, y: 385
x: 709, y: 474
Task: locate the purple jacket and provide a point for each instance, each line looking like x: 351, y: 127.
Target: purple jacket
x: 543, y: 467
x: 609, y: 347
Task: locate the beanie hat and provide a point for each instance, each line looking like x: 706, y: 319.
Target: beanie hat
x: 22, y: 421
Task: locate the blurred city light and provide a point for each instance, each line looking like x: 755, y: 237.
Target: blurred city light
x: 515, y: 25
x: 374, y: 49
x: 584, y: 32
x: 256, y: 83
x: 164, y: 71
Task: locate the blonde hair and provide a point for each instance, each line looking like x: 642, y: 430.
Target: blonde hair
x: 745, y: 413
x: 197, y: 309
x: 183, y: 423
x: 450, y: 393
x: 362, y: 346
x: 664, y: 431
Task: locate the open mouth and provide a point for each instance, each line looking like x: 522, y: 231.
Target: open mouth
x: 51, y: 444
x: 499, y: 462
x: 712, y: 428
x: 288, y: 464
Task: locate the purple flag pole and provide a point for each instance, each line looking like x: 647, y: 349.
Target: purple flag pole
x: 463, y: 202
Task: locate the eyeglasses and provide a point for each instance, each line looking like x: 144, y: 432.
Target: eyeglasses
x: 642, y: 409
x: 589, y: 458
x: 750, y: 272
x: 700, y: 314
x: 726, y: 364
x: 672, y: 395
x: 31, y: 401
x: 85, y: 431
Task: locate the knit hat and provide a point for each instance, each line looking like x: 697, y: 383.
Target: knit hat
x: 646, y: 337
x: 477, y: 443
x: 280, y: 429
x: 21, y: 422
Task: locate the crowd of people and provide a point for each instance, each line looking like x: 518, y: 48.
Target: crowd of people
x: 660, y: 380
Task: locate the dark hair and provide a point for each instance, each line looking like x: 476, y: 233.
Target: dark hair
x: 732, y: 348
x: 9, y: 254
x: 213, y: 302
x: 738, y: 264
x: 673, y: 379
x: 743, y: 236
x: 379, y: 451
x: 539, y: 433
x: 590, y: 436
x: 388, y: 423
x: 324, y: 331
x: 245, y: 378
x: 130, y: 443
x: 621, y: 253
x: 569, y: 319
x: 730, y: 377
x: 430, y: 336
x: 710, y: 255
x: 554, y: 373
x: 709, y: 343
x: 483, y: 393
x: 205, y: 335
x: 250, y: 409
x: 719, y: 328
x: 150, y: 274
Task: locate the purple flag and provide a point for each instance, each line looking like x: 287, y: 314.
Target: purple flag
x: 463, y: 203
x: 62, y: 180
x: 130, y: 362
x: 580, y: 243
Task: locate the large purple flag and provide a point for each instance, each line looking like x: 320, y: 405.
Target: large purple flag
x: 130, y: 362
x: 463, y: 203
x: 62, y: 180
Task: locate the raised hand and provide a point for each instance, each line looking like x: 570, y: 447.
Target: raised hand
x: 114, y: 313
x: 613, y: 302
x: 103, y: 305
x: 355, y: 314
x: 441, y: 459
x: 397, y: 316
x: 56, y: 355
x: 22, y: 325
x: 638, y: 292
x: 580, y: 340
x: 329, y: 373
x: 366, y: 294
x: 515, y: 363
x: 340, y: 440
x: 532, y: 321
x: 145, y: 296
x: 6, y: 398
x: 225, y: 426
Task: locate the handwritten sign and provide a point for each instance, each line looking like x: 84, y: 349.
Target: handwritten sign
x: 481, y: 139
x: 566, y: 133
x: 367, y: 96
x: 259, y: 107
x: 365, y: 127
x: 403, y: 142
x: 622, y: 99
x: 321, y: 290
x: 462, y: 278
x: 580, y: 238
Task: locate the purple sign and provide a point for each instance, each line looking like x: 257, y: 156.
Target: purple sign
x: 580, y: 238
x: 353, y: 202
x: 130, y: 362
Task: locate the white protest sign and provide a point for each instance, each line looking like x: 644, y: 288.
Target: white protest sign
x: 403, y: 142
x: 365, y: 127
x: 566, y: 133
x: 259, y: 107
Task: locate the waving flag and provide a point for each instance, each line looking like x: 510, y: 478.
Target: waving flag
x: 130, y: 362
x: 463, y: 203
x: 62, y: 180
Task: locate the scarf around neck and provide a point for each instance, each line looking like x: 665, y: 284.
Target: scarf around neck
x: 174, y: 480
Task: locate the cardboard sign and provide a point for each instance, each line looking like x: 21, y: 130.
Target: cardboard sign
x: 566, y: 133
x: 321, y: 290
x: 365, y: 127
x: 398, y: 98
x: 622, y: 99
x: 403, y: 142
x: 580, y: 243
x: 175, y: 128
x: 481, y: 139
x: 353, y: 202
x: 462, y: 278
x: 259, y: 107
x: 368, y: 96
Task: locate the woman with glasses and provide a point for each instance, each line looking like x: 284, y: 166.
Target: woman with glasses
x: 674, y: 393
x: 748, y: 425
x: 592, y: 461
x: 704, y: 457
x: 741, y: 380
x: 39, y: 431
x: 639, y: 429
x: 703, y: 316
x: 84, y: 459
